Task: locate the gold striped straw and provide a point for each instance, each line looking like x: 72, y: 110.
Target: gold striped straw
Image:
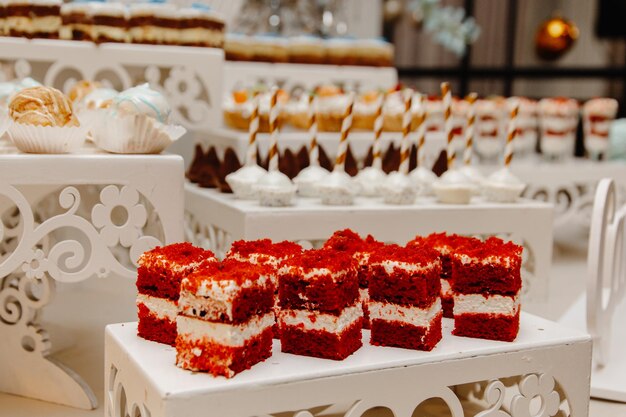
x: 346, y: 125
x: 421, y: 129
x: 253, y: 130
x: 314, y: 158
x: 406, y: 131
x: 510, y: 136
x: 273, y: 122
x: 469, y: 129
x: 446, y: 96
x: 377, y: 160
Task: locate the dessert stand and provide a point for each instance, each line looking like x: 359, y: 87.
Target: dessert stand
x: 68, y: 218
x: 307, y: 76
x: 547, y: 362
x: 215, y: 220
x: 603, y: 304
x: 44, y: 196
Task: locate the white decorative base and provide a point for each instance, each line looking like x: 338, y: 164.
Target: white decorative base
x: 215, y: 220
x: 68, y: 218
x: 547, y: 360
x: 607, y: 382
x: 302, y: 76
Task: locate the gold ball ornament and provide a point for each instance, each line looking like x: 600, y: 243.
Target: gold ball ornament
x: 555, y: 37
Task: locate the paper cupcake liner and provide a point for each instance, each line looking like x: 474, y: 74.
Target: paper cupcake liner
x: 4, y: 122
x: 47, y: 139
x: 89, y: 117
x: 137, y: 134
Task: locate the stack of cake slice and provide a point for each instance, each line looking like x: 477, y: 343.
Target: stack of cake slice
x: 486, y: 282
x: 405, y: 306
x: 159, y: 275
x: 225, y: 318
x: 320, y: 314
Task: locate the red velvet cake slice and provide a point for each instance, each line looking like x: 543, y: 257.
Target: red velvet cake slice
x: 225, y: 318
x: 158, y: 285
x: 486, y: 281
x: 405, y: 305
x: 360, y: 249
x: 265, y: 252
x: 444, y: 244
x: 320, y: 314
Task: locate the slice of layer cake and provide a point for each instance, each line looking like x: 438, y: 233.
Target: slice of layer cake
x: 405, y: 306
x: 360, y: 249
x: 486, y: 281
x: 225, y: 318
x: 320, y: 314
x: 445, y: 244
x: 265, y: 252
x: 158, y: 284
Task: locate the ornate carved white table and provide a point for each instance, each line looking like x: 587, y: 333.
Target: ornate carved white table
x: 68, y: 218
x: 215, y: 220
x: 546, y: 368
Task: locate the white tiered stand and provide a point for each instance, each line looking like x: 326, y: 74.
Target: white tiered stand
x: 547, y: 366
x: 88, y: 190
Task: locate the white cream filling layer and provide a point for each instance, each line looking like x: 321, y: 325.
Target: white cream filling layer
x: 225, y: 290
x: 490, y: 260
x: 445, y: 288
x: 160, y: 307
x: 319, y: 321
x: 390, y: 266
x: 415, y: 316
x: 478, y: 303
x: 197, y: 330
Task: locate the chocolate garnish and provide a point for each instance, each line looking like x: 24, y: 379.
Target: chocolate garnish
x: 369, y: 158
x: 325, y: 161
x: 413, y: 158
x: 197, y: 162
x: 391, y: 160
x: 351, y: 166
x: 441, y: 165
x: 302, y: 159
x: 231, y: 164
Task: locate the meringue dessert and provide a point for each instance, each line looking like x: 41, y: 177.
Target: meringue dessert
x: 453, y: 187
x: 398, y: 189
x: 337, y: 189
x: 370, y: 181
x: 503, y: 187
x: 275, y: 189
x: 308, y: 179
x: 42, y: 106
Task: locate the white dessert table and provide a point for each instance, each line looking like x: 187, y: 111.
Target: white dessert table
x: 68, y: 218
x: 547, y: 361
x: 214, y: 220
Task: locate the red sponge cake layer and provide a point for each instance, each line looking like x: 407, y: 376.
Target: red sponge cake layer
x: 320, y: 343
x: 152, y: 327
x: 404, y: 307
x: 487, y: 326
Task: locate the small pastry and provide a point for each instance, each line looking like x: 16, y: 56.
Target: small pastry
x: 374, y: 52
x: 332, y: 105
x: 364, y: 113
x: 423, y: 178
x: 275, y: 189
x: 338, y: 189
x: 142, y: 100
x: 243, y: 181
x: 42, y: 106
x: 100, y: 98
x: 370, y: 180
x: 398, y: 189
x: 308, y: 179
x: 503, y: 187
x: 306, y: 49
x: 453, y: 187
x: 475, y: 176
x: 238, y: 47
x: 81, y: 89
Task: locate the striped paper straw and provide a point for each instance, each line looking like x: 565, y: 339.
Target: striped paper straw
x: 377, y: 160
x: 314, y: 157
x: 406, y: 130
x: 273, y: 122
x: 446, y: 96
x: 510, y: 136
x: 469, y: 129
x: 253, y: 131
x: 421, y: 130
x: 346, y: 125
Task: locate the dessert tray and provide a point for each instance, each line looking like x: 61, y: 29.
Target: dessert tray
x: 547, y: 360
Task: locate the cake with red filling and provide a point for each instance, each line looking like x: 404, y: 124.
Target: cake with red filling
x: 405, y: 307
x: 444, y: 244
x: 158, y: 284
x: 486, y: 282
x: 265, y: 252
x: 360, y: 249
x: 320, y: 314
x: 225, y: 318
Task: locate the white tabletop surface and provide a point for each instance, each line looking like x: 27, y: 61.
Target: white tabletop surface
x: 81, y: 345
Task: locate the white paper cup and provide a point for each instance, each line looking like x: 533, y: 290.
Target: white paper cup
x: 47, y: 139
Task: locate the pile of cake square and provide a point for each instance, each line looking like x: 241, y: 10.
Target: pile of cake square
x: 221, y: 316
